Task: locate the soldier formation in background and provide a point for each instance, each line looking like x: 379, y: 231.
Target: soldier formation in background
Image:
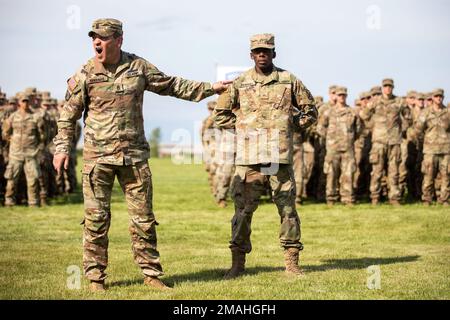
x: 384, y: 148
x: 28, y: 126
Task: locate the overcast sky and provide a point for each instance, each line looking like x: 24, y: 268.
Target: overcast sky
x: 351, y: 43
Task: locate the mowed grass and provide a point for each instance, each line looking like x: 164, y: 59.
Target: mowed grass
x: 410, y: 244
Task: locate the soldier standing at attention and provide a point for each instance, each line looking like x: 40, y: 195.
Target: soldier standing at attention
x: 109, y: 89
x: 320, y: 145
x: 26, y: 135
x: 406, y: 172
x: 268, y: 101
x: 209, y: 143
x: 434, y: 124
x: 339, y: 126
x: 362, y: 148
x: 389, y: 119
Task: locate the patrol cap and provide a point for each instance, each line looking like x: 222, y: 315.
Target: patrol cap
x: 341, y: 90
x: 265, y: 40
x: 47, y: 101
x: 428, y: 96
x: 375, y: 90
x: 24, y: 96
x: 318, y: 99
x: 12, y: 100
x: 411, y: 94
x: 106, y: 27
x: 387, y: 82
x: 420, y: 96
x: 45, y: 94
x: 332, y: 88
x: 31, y: 91
x: 437, y: 92
x: 363, y: 95
x: 211, y: 105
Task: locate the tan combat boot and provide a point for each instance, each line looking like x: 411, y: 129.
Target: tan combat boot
x: 291, y: 261
x: 97, y: 286
x: 237, y: 264
x: 155, y: 283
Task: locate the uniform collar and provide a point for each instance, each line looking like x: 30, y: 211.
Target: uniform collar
x: 263, y: 79
x: 123, y: 63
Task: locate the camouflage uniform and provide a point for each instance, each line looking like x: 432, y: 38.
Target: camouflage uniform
x: 5, y: 112
x: 434, y: 125
x: 416, y: 151
x: 303, y: 162
x: 320, y: 150
x: 264, y: 128
x: 404, y: 179
x: 390, y: 119
x: 225, y: 154
x: 208, y: 135
x: 339, y: 126
x: 361, y: 179
x: 26, y: 134
x: 115, y: 145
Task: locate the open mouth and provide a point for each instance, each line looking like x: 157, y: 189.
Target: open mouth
x: 99, y: 50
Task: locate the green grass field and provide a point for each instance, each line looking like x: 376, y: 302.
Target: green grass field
x: 410, y: 244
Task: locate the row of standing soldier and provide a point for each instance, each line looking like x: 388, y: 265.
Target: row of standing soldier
x: 28, y: 126
x: 386, y: 147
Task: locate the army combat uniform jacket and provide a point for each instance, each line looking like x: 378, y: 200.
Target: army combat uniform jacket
x: 112, y: 105
x: 266, y: 109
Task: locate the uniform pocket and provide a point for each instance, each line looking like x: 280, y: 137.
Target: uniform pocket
x: 9, y: 172
x: 87, y: 170
x: 374, y: 157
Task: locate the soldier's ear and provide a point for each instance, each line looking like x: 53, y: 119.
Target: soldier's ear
x: 274, y: 54
x: 252, y: 56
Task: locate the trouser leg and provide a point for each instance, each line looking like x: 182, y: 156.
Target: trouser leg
x: 12, y: 175
x: 332, y: 170
x: 348, y: 169
x: 32, y: 174
x: 247, y: 187
x: 283, y: 186
x: 377, y: 159
x: 394, y: 161
x: 444, y: 168
x: 136, y: 183
x: 98, y: 180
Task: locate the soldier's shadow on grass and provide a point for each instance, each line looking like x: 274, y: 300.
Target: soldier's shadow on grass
x: 199, y: 276
x: 360, y: 263
x: 217, y: 274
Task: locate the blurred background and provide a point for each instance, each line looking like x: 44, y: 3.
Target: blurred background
x: 350, y: 43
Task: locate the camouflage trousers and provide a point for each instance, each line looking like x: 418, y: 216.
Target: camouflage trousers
x: 303, y: 167
x: 382, y: 156
x: 361, y: 179
x: 136, y: 183
x: 2, y: 177
x: 247, y: 186
x: 211, y: 169
x: 403, y: 171
x: 415, y: 176
x: 30, y: 167
x: 340, y: 169
x: 432, y: 165
x: 321, y: 179
x: 223, y: 177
